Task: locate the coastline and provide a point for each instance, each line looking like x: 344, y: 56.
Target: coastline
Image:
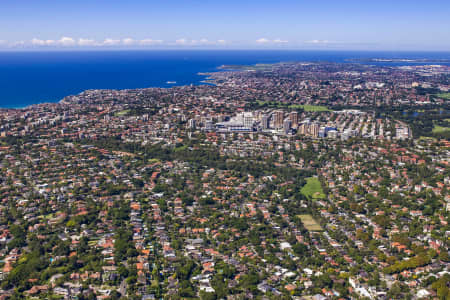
x: 57, y: 75
x: 203, y: 81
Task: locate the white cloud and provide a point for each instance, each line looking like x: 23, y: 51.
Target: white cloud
x: 318, y: 42
x: 181, y: 41
x: 280, y: 41
x: 200, y: 42
x: 263, y: 41
x: 66, y: 41
x: 128, y: 41
x: 110, y: 42
x: 38, y: 42
x: 267, y: 41
x: 18, y: 44
x: 125, y: 42
x: 147, y: 42
x: 87, y: 42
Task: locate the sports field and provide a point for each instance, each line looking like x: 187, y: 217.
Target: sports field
x: 308, y: 107
x: 309, y: 223
x: 305, y: 107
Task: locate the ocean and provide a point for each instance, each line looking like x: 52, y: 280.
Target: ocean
x: 31, y: 77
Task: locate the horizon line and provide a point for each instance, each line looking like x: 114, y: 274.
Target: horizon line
x: 213, y: 49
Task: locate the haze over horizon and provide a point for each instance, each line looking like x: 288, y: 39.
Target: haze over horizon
x: 345, y: 25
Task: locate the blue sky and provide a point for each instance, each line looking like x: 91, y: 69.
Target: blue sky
x: 290, y: 24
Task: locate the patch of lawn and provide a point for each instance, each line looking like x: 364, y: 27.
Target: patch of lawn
x: 46, y: 217
x: 121, y: 113
x: 444, y: 96
x: 313, y: 189
x: 181, y: 148
x: 426, y: 138
x: 153, y: 161
x: 439, y: 129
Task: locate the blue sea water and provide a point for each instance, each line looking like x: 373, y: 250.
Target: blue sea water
x: 35, y: 77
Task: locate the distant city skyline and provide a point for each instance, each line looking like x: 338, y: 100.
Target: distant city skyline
x: 286, y: 24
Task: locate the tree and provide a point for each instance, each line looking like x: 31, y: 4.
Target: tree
x: 441, y: 287
x: 300, y: 249
x: 443, y: 255
x: 207, y: 296
x: 185, y: 269
x: 19, y: 234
